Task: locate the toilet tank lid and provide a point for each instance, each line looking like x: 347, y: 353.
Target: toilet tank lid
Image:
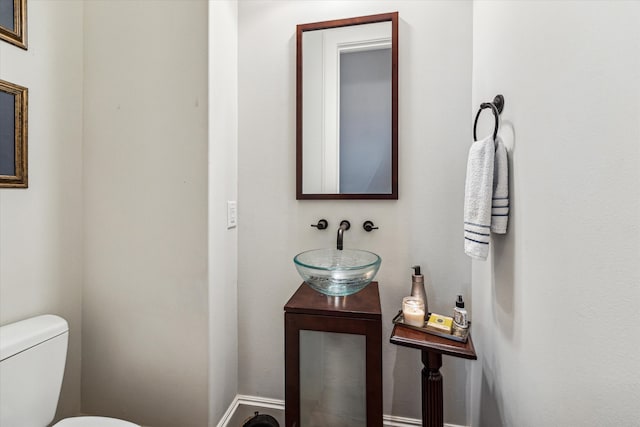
x: 19, y: 336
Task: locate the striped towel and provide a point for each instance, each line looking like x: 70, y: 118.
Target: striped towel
x: 500, y: 204
x: 477, y: 198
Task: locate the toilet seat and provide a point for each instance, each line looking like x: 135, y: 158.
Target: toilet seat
x: 94, y: 422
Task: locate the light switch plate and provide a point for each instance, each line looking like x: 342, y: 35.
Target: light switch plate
x: 232, y: 214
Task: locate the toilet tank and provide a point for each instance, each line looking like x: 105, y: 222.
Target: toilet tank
x: 32, y: 359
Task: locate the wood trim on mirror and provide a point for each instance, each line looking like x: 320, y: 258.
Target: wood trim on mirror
x: 14, y: 144
x: 300, y: 29
x: 17, y: 34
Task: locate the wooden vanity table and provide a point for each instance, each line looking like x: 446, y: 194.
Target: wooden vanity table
x: 353, y: 314
x: 432, y: 348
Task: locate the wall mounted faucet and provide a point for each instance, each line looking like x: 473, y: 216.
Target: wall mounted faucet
x: 369, y: 226
x: 321, y: 225
x: 344, y: 226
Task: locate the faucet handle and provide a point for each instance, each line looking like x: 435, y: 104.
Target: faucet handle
x: 321, y: 225
x: 368, y: 226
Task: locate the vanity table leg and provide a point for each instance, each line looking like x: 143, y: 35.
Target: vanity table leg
x: 292, y: 369
x: 374, y: 372
x: 432, y: 413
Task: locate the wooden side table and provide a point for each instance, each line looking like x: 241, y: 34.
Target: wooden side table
x: 432, y: 347
x: 357, y: 314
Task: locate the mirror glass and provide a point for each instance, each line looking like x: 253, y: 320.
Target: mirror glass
x: 332, y: 379
x: 347, y: 109
x: 7, y: 133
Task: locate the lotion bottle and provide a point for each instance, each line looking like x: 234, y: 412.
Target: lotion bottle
x: 417, y: 288
x: 460, y: 318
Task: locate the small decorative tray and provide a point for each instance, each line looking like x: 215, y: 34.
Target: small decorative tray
x: 461, y: 337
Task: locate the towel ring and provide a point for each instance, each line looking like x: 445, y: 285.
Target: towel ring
x: 496, y: 106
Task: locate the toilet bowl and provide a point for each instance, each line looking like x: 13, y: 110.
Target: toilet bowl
x: 32, y: 357
x: 93, y: 422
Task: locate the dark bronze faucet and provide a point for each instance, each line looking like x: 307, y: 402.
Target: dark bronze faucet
x: 344, y: 226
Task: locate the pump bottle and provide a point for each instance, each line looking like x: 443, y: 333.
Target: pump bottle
x: 417, y: 287
x: 460, y: 318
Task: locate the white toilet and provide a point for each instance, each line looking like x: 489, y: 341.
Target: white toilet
x: 32, y: 359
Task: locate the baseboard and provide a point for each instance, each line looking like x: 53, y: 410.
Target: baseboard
x: 254, y: 401
x: 277, y: 405
x: 393, y: 421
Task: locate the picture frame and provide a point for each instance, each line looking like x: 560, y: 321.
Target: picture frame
x: 13, y: 135
x: 13, y: 22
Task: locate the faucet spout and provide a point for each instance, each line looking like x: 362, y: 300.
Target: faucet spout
x: 344, y: 226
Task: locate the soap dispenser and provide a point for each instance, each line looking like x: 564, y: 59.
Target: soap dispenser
x: 417, y: 287
x: 460, y: 318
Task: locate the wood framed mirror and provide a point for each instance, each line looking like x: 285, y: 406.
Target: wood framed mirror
x: 13, y: 22
x: 347, y: 108
x: 13, y: 135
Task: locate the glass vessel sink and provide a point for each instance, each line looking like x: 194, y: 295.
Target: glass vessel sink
x: 337, y: 272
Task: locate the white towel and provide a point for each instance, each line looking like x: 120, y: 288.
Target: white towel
x: 500, y: 204
x: 477, y: 198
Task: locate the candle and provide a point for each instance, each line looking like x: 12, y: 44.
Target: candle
x: 413, y: 311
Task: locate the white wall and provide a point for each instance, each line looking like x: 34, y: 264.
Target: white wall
x: 424, y: 226
x: 555, y: 305
x: 145, y: 308
x: 40, y: 227
x: 568, y: 71
x: 223, y: 184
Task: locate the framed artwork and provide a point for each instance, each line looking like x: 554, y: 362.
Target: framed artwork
x: 13, y: 22
x: 13, y: 135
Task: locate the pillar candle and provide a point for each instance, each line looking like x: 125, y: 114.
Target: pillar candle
x: 413, y: 311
